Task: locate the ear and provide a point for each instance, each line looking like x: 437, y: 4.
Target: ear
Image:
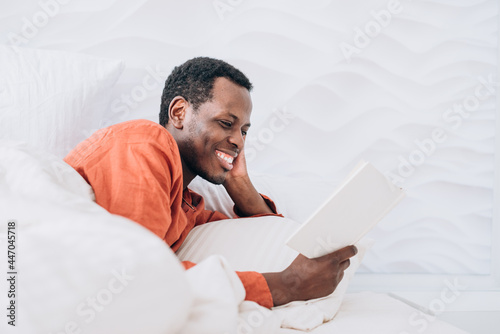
x: 177, y: 112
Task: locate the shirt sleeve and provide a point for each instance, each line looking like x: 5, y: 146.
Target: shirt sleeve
x: 269, y: 203
x: 203, y: 216
x: 256, y: 288
x: 215, y: 215
x: 134, y: 175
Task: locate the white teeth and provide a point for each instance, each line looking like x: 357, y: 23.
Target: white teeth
x: 224, y: 157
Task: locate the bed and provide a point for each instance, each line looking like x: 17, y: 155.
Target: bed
x: 81, y: 269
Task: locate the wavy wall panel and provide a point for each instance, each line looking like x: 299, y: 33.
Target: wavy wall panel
x: 429, y: 58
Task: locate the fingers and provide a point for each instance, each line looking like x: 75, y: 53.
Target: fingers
x: 340, y: 255
x: 313, y: 278
x: 347, y: 252
x: 345, y: 264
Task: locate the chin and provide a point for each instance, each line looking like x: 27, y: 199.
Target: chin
x: 215, y: 179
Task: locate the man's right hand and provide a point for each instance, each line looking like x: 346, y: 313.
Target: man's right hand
x: 306, y: 278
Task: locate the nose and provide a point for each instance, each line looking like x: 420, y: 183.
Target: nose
x: 236, y: 139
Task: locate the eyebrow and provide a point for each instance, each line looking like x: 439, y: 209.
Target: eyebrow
x: 236, y: 117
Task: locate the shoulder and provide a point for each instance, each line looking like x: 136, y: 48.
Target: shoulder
x: 142, y: 129
x: 136, y: 135
x: 137, y: 125
x: 135, y: 132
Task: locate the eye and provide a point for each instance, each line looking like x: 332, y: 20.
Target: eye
x: 225, y: 124
x: 244, y: 133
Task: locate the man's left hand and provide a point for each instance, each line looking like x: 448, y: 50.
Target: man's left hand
x: 239, y: 170
x: 241, y: 190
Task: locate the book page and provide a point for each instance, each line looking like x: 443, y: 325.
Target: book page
x: 354, y: 209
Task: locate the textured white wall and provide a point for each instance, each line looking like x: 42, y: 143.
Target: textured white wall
x: 408, y: 85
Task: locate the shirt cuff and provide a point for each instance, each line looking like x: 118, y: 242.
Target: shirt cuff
x: 269, y: 203
x: 188, y: 264
x: 256, y: 288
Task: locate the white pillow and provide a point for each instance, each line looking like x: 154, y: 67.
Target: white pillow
x: 80, y: 267
x: 41, y: 176
x: 248, y: 244
x: 258, y: 244
x: 53, y: 99
x: 93, y: 271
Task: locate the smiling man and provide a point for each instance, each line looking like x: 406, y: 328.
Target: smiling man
x: 141, y: 170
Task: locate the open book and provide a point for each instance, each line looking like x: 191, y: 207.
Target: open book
x: 361, y: 201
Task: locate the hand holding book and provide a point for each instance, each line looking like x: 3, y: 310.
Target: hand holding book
x: 306, y: 279
x: 325, y: 242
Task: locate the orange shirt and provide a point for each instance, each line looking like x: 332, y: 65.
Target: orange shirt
x: 135, y: 171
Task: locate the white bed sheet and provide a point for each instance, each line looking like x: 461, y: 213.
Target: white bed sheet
x: 377, y: 313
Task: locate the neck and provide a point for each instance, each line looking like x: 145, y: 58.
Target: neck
x: 187, y: 175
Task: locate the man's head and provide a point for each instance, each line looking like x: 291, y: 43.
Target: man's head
x: 194, y: 81
x: 206, y: 107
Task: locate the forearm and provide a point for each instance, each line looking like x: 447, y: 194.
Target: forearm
x: 246, y: 198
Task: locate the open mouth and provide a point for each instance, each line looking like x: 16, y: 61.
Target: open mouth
x: 225, y: 159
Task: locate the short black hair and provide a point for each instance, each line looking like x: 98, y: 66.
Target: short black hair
x: 194, y: 81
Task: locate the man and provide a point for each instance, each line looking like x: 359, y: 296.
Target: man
x: 141, y: 170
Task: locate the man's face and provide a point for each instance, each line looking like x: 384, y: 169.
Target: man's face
x: 214, y: 134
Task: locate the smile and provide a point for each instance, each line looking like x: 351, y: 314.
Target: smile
x: 225, y: 159
x: 224, y: 156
